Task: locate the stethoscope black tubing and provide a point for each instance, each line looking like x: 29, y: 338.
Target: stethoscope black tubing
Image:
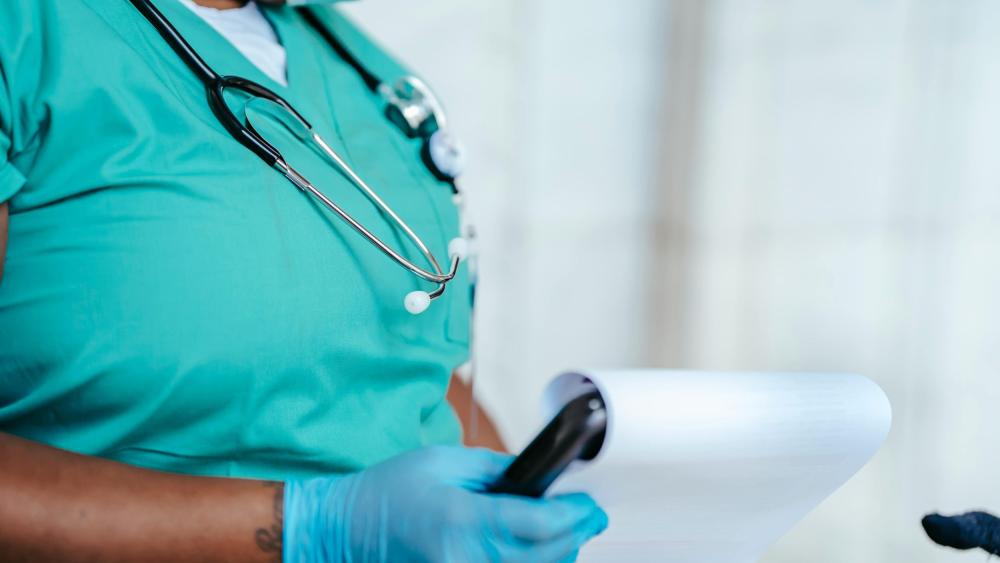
x: 370, y: 80
x: 216, y: 84
x: 176, y: 41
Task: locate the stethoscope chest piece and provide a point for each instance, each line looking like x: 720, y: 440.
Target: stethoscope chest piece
x: 414, y: 108
x: 444, y: 155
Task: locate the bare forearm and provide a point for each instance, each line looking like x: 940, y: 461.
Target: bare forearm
x: 59, y: 506
x: 479, y: 430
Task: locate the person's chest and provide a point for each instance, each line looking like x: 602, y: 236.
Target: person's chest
x: 151, y: 228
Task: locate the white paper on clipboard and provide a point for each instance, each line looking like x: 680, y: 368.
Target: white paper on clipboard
x: 713, y: 467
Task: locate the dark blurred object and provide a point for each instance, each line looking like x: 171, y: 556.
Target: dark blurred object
x: 966, y: 531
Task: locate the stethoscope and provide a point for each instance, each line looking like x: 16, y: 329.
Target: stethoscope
x: 410, y: 104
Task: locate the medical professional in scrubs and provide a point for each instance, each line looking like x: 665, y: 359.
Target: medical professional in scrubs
x: 197, y: 363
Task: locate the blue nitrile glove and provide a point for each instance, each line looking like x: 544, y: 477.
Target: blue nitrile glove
x: 429, y: 506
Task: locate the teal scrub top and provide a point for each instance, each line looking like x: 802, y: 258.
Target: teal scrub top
x: 172, y: 302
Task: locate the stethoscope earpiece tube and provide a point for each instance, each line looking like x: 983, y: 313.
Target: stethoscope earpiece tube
x: 371, y: 81
x: 176, y: 41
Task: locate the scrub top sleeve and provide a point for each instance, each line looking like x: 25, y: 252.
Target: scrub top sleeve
x: 11, y: 179
x: 17, y: 19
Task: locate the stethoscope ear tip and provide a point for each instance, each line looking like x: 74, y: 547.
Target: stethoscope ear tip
x: 417, y: 302
x: 458, y: 248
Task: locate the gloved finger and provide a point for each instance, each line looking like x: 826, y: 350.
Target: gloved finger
x: 540, y: 520
x: 473, y: 469
x: 566, y: 548
x: 965, y: 531
x: 562, y: 549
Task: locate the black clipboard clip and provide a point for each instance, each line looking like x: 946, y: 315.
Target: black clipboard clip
x: 577, y: 432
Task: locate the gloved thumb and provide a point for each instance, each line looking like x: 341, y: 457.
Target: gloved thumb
x: 473, y: 469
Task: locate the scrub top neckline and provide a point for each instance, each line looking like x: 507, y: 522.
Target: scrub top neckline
x: 205, y: 38
x: 251, y: 32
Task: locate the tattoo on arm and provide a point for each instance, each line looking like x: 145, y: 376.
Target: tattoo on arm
x: 269, y: 538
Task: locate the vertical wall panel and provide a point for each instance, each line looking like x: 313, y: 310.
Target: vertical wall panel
x: 844, y: 216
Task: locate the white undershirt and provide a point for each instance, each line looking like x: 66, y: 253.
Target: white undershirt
x: 250, y: 32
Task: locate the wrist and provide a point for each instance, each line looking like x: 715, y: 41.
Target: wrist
x: 309, y: 534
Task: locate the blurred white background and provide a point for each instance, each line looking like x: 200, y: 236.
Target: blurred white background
x: 742, y: 184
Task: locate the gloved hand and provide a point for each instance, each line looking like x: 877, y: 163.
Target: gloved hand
x: 429, y: 506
